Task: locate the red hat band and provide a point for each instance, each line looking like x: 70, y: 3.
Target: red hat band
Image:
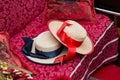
x: 70, y: 43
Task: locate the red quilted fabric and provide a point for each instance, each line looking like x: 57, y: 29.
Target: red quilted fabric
x: 104, y: 37
x: 16, y: 14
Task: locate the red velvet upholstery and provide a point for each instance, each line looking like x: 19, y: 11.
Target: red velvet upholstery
x: 15, y: 15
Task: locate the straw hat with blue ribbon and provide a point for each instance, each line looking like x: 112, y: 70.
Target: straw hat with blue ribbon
x: 43, y: 49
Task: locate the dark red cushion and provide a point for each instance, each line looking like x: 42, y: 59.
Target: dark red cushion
x: 80, y: 10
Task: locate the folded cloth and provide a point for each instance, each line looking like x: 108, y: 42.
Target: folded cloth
x: 6, y: 54
x: 7, y: 57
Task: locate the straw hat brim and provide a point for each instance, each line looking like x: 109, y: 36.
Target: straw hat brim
x: 85, y: 48
x: 44, y: 61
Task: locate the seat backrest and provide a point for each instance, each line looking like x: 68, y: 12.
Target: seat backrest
x: 16, y: 14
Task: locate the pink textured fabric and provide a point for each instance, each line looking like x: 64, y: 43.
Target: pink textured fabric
x: 16, y: 14
x: 81, y: 67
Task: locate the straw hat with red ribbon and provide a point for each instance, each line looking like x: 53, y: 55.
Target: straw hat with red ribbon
x: 72, y: 35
